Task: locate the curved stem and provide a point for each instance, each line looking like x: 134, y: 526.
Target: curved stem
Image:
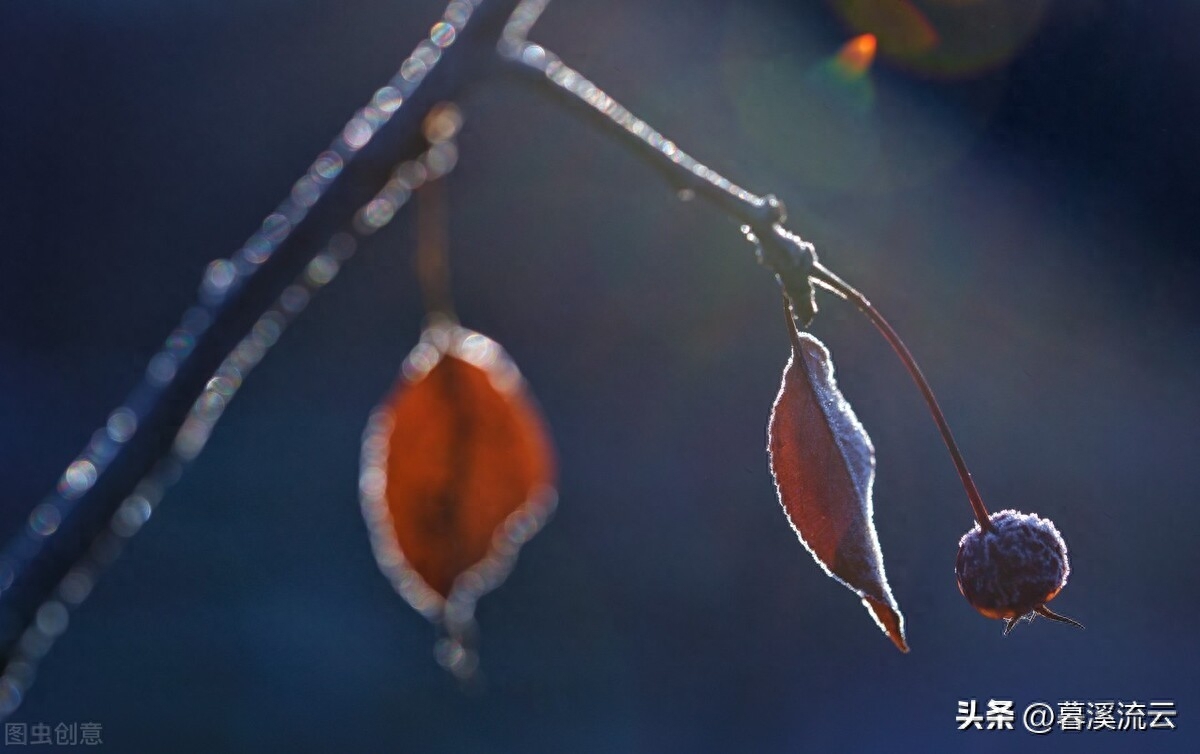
x: 827, y: 279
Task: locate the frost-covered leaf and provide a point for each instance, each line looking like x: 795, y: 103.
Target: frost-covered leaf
x: 824, y: 467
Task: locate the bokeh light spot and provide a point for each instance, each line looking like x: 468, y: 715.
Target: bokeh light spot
x: 856, y: 55
x: 442, y: 34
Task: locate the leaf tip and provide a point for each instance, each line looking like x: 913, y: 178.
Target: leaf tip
x: 889, y: 619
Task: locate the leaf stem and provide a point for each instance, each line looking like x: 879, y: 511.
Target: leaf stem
x: 827, y: 279
x: 433, y: 264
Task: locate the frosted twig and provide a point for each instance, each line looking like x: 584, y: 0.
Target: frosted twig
x: 762, y: 217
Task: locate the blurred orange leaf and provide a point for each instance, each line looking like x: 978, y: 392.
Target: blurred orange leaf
x: 458, y: 473
x: 824, y: 467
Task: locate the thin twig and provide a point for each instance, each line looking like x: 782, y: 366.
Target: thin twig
x: 762, y: 217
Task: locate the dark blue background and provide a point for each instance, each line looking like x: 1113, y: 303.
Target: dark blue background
x: 1028, y: 227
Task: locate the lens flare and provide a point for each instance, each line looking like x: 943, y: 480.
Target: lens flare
x: 947, y: 39
x: 856, y: 55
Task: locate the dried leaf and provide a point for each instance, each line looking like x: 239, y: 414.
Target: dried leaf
x: 458, y: 473
x: 824, y: 466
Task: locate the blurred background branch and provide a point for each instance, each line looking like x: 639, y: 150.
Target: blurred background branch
x: 246, y: 301
x: 350, y: 190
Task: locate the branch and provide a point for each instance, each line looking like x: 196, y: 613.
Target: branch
x: 245, y: 301
x: 781, y: 251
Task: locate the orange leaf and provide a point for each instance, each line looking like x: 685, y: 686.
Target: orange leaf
x: 824, y: 466
x: 457, y: 473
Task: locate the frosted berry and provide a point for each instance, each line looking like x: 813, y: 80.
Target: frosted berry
x: 1013, y: 568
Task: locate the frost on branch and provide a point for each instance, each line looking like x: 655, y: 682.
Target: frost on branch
x: 824, y: 466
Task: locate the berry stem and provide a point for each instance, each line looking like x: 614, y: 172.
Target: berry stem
x: 827, y: 279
